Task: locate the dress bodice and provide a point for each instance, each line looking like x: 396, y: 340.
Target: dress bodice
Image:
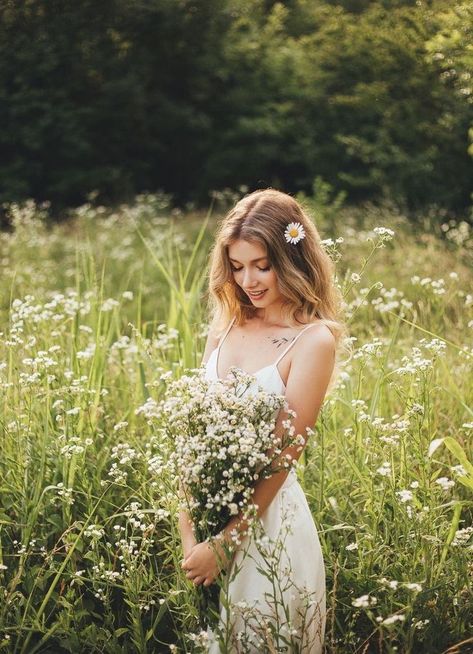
x: 268, y: 377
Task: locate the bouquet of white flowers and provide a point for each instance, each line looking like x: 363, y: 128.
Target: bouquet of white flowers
x: 224, y: 441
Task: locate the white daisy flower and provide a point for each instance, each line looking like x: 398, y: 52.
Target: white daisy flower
x: 294, y: 233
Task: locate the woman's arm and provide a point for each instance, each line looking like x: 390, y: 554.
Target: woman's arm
x: 311, y: 369
x: 186, y: 528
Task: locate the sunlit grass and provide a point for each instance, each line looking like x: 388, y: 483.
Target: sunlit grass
x: 94, y: 311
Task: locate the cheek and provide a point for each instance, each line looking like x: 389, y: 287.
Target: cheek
x: 271, y: 279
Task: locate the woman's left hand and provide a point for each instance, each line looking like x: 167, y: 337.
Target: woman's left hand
x: 201, y: 564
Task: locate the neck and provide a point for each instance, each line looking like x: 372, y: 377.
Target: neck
x: 271, y: 315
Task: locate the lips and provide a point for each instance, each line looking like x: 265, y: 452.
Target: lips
x: 256, y: 296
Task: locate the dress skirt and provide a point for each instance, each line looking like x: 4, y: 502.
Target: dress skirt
x: 273, y: 598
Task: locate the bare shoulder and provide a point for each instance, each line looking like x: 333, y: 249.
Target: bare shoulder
x: 318, y: 338
x: 315, y: 347
x: 311, y: 369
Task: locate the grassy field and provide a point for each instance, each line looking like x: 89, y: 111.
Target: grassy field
x: 94, y: 311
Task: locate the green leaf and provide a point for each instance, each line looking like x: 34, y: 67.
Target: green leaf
x: 456, y: 449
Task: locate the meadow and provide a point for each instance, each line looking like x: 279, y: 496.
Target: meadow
x: 96, y: 313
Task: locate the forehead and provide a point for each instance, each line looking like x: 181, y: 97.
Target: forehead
x: 246, y: 251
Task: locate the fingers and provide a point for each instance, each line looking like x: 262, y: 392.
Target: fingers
x: 193, y: 576
x: 196, y: 579
x: 185, y: 563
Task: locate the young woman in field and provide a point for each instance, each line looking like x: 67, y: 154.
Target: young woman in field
x: 275, y: 315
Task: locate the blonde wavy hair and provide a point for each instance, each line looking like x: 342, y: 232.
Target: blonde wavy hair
x: 305, y: 272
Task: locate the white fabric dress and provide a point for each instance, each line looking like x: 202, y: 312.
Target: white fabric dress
x: 287, y: 549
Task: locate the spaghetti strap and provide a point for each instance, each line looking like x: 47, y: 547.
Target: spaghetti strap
x: 222, y: 338
x: 293, y: 342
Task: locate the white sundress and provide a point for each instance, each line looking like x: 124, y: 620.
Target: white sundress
x: 288, y: 543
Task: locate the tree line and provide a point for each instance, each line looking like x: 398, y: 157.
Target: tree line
x: 188, y: 96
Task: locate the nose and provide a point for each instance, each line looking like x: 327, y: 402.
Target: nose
x: 248, y: 279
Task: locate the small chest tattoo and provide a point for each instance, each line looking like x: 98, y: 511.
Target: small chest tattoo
x: 280, y: 341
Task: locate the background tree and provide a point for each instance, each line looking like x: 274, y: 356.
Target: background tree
x: 126, y: 96
x: 452, y: 50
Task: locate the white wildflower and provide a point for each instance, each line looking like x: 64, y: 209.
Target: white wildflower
x: 364, y: 601
x: 398, y: 617
x: 120, y: 425
x: 420, y: 624
x: 109, y: 304
x: 462, y: 536
x: 385, y: 469
x: 445, y: 483
x: 384, y: 232
x: 405, y: 495
x: 413, y: 586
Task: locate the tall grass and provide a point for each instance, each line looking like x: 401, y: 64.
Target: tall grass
x: 93, y: 313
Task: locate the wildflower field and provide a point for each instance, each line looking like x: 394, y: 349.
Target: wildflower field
x: 98, y: 312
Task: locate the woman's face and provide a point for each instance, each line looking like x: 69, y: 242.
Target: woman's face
x: 253, y: 273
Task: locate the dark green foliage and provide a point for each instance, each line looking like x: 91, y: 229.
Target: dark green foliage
x: 125, y: 95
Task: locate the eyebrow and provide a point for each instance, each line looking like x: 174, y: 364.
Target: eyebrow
x: 253, y: 261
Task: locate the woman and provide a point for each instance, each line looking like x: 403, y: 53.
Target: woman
x: 275, y: 315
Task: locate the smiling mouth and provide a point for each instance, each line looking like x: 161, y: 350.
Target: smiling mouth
x: 257, y: 295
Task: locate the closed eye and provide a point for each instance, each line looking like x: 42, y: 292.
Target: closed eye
x: 262, y: 269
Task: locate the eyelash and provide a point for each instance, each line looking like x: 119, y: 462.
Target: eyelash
x: 262, y: 269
